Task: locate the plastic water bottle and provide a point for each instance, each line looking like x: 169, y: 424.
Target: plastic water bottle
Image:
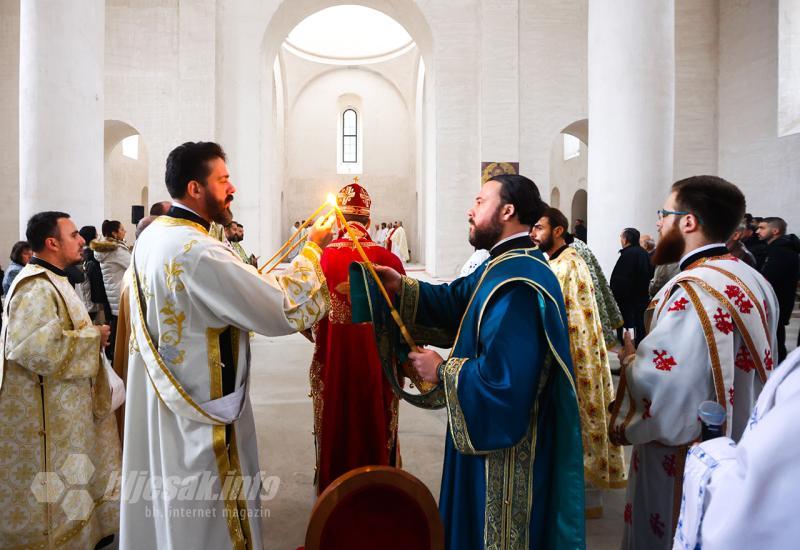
x: 712, y: 416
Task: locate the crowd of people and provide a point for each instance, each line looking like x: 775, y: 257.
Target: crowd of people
x: 762, y: 243
x: 536, y: 426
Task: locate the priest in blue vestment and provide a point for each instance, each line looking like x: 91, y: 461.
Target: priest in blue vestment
x: 513, y: 464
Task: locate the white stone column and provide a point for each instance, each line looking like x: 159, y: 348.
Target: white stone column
x: 499, y: 65
x: 61, y: 109
x: 631, y: 118
x: 238, y: 117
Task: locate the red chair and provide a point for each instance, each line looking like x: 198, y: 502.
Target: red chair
x: 375, y: 507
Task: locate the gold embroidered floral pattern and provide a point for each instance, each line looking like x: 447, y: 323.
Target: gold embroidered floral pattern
x: 144, y: 284
x: 315, y: 381
x: 305, y: 289
x: 604, y: 465
x: 188, y: 246
x: 174, y: 319
x: 133, y: 345
x: 340, y: 312
x: 394, y: 407
x: 173, y: 271
x: 47, y: 414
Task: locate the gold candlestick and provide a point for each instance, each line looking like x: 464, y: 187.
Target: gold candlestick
x: 308, y: 222
x: 285, y: 254
x: 371, y: 269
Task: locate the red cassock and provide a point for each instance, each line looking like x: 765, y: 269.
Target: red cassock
x: 355, y: 410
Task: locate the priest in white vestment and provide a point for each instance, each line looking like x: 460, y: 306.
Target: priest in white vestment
x: 191, y: 477
x: 745, y: 495
x: 397, y: 243
x: 57, y: 434
x: 712, y: 337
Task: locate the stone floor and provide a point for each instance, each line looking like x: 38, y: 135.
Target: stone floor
x: 282, y: 408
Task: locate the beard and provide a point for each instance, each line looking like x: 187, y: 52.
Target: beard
x: 669, y: 249
x: 219, y: 212
x: 486, y: 236
x: 546, y: 245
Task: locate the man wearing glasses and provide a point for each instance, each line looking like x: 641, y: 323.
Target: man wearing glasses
x: 712, y: 337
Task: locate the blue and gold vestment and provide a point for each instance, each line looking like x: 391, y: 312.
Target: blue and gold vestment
x: 513, y: 465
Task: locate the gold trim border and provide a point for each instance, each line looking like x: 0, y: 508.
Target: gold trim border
x: 455, y: 415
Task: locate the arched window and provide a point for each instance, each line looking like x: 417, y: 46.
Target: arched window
x: 350, y: 136
x: 572, y: 147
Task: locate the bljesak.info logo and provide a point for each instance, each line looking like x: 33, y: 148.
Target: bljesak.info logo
x: 68, y: 487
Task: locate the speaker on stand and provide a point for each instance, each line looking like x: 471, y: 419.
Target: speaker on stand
x: 137, y: 213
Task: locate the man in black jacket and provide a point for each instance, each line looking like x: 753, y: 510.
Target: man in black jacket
x: 630, y: 281
x: 781, y: 268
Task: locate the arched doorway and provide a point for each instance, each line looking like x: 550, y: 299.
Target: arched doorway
x: 555, y: 198
x: 403, y: 184
x: 579, y: 201
x: 125, y: 170
x: 568, y: 169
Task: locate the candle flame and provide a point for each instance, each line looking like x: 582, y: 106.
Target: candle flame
x: 331, y: 199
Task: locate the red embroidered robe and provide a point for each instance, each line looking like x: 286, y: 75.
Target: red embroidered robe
x: 712, y: 337
x: 355, y: 411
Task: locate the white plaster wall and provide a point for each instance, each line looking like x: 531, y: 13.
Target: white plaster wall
x: 751, y: 155
x: 388, y: 138
x: 9, y: 128
x: 696, y: 75
x: 499, y: 74
x: 160, y: 75
x: 552, y: 80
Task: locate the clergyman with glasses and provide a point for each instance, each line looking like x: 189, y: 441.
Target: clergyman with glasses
x: 712, y: 337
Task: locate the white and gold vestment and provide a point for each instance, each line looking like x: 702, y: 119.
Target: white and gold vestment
x: 59, y: 447
x: 190, y: 468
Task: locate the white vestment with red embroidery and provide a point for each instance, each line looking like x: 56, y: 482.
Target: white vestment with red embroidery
x: 711, y: 338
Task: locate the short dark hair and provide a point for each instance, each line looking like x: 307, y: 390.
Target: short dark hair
x: 631, y: 235
x: 109, y: 227
x: 523, y: 194
x: 189, y: 162
x: 776, y: 223
x: 556, y: 218
x: 17, y: 250
x: 88, y: 232
x: 718, y: 204
x: 41, y: 227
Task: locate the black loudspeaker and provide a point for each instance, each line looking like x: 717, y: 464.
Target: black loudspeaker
x: 137, y: 213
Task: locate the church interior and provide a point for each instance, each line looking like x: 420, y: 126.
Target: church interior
x: 602, y: 103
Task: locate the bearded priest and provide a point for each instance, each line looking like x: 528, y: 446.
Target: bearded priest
x: 513, y: 464
x: 355, y: 410
x: 712, y: 337
x: 603, y: 463
x: 190, y: 476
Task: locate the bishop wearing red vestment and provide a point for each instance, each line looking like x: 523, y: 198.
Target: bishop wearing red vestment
x: 355, y: 410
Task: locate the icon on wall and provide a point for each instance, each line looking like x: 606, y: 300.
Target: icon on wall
x: 491, y: 169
